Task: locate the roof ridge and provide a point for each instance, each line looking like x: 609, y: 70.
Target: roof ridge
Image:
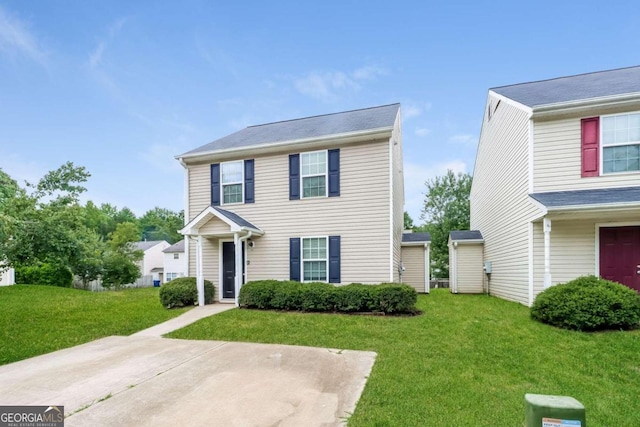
x: 323, y: 115
x: 565, y: 77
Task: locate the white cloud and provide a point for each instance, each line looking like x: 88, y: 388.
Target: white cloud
x: 95, y: 57
x: 327, y: 85
x: 415, y: 175
x: 463, y: 138
x: 20, y: 169
x: 162, y: 156
x: 15, y: 38
x: 412, y: 109
x: 423, y: 132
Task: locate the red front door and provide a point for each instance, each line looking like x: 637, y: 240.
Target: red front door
x: 620, y: 255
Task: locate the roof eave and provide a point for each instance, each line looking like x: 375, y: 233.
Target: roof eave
x: 342, y: 138
x: 584, y: 104
x: 423, y: 243
x: 593, y: 206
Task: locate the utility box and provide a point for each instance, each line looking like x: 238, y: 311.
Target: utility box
x: 553, y: 411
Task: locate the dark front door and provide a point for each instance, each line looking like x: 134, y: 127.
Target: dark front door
x: 620, y: 255
x: 228, y: 270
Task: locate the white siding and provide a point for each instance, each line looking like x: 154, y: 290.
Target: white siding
x: 7, y: 277
x: 153, y: 258
x: 398, y: 197
x: 173, y: 265
x: 360, y: 215
x: 557, y: 159
x: 413, y: 260
x: 469, y: 275
x: 500, y: 206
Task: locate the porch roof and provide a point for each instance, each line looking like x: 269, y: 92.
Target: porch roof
x: 411, y: 239
x: 236, y: 222
x: 585, y: 199
x: 466, y: 236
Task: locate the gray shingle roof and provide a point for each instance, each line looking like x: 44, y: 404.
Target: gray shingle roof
x: 415, y: 237
x: 574, y: 88
x: 143, y: 246
x: 176, y: 247
x: 588, y: 197
x: 235, y: 218
x: 465, y: 235
x: 310, y: 127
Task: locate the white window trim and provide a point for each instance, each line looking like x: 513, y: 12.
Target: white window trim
x: 302, y: 260
x: 222, y: 185
x: 619, y: 144
x: 325, y: 174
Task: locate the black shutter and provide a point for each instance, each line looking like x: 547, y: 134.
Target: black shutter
x: 215, y: 184
x: 334, y: 259
x: 334, y: 173
x: 249, y: 182
x: 294, y: 176
x: 294, y: 259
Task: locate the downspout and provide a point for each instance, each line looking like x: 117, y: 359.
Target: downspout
x: 239, y: 264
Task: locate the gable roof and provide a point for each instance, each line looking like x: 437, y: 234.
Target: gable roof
x: 582, y: 198
x: 574, y: 88
x: 176, y: 247
x: 235, y: 218
x: 235, y: 222
x: 367, y: 119
x: 416, y: 237
x: 143, y: 246
x: 459, y: 235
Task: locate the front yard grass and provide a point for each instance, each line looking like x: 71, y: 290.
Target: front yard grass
x: 40, y: 319
x: 467, y: 361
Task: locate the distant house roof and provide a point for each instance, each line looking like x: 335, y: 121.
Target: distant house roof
x: 578, y: 198
x: 459, y: 235
x: 143, y: 246
x: 305, y: 128
x: 176, y: 247
x: 416, y: 237
x: 574, y: 88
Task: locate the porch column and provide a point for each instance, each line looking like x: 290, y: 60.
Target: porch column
x: 199, y: 274
x: 546, y: 227
x: 238, y: 254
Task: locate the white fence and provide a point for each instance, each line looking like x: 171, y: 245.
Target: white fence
x: 96, y: 285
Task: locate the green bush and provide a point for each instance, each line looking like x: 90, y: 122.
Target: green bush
x: 183, y: 291
x: 588, y: 303
x: 44, y: 274
x: 323, y: 297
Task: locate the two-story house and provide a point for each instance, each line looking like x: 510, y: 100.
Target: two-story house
x: 312, y: 199
x: 556, y: 186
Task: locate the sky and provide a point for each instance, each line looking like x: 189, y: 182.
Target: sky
x: 121, y: 87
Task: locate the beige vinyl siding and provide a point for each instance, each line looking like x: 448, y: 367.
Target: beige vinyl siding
x: 215, y: 226
x: 398, y: 197
x: 469, y: 273
x: 413, y: 262
x: 360, y: 215
x: 558, y: 157
x: 500, y: 206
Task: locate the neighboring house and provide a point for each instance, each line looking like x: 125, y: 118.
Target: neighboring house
x: 415, y: 260
x: 153, y: 259
x: 7, y: 276
x: 556, y: 186
x: 313, y: 199
x: 175, y: 262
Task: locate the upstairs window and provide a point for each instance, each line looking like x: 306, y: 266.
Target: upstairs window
x: 620, y: 136
x: 176, y: 255
x: 314, y: 174
x: 232, y: 179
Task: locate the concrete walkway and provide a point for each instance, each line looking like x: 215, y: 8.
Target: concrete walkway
x: 146, y: 380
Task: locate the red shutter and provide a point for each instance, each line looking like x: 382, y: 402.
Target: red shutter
x: 590, y: 146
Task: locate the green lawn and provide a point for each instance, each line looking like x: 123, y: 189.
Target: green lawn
x: 468, y: 361
x: 40, y: 319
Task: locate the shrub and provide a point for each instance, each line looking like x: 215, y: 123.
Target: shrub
x: 183, y: 291
x: 290, y: 295
x: 45, y: 274
x: 588, y: 303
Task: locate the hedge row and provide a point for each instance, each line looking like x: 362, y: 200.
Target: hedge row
x: 588, y: 303
x: 356, y: 297
x: 183, y: 291
x: 44, y: 274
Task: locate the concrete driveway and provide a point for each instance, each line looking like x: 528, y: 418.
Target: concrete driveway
x: 146, y: 380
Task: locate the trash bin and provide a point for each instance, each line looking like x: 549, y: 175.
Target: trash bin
x: 553, y: 411
x: 156, y: 283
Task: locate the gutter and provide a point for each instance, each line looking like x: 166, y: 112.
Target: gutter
x: 583, y: 104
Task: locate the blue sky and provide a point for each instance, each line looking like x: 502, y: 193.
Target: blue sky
x: 120, y: 87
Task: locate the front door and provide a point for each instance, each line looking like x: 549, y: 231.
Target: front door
x: 228, y: 270
x: 620, y: 255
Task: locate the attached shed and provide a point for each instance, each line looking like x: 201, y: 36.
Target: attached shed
x: 415, y: 260
x: 466, y: 269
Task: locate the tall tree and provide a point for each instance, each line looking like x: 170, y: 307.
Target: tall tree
x: 408, y: 222
x: 120, y: 260
x: 162, y: 224
x: 446, y: 208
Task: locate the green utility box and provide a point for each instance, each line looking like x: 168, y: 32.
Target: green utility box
x: 553, y: 411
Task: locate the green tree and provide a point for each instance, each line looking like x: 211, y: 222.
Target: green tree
x: 446, y: 208
x: 162, y: 224
x: 89, y: 264
x: 408, y: 222
x: 120, y: 260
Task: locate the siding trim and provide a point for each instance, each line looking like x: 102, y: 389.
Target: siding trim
x: 531, y: 163
x: 391, y: 266
x: 530, y: 241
